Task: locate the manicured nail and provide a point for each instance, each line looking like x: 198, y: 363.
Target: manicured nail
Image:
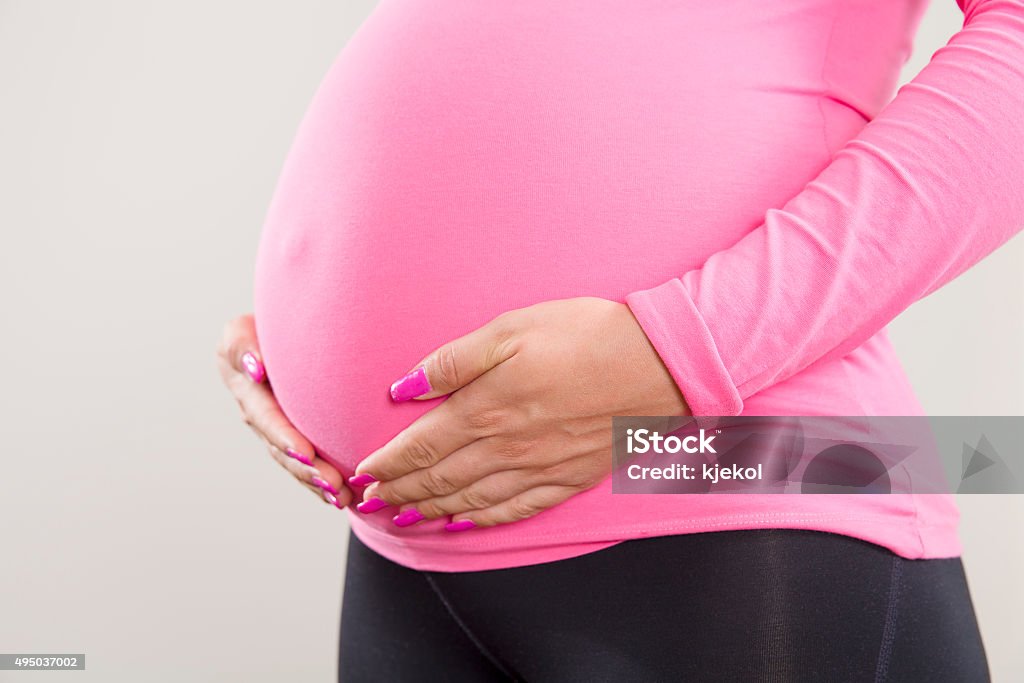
x: 333, y: 500
x: 412, y: 385
x: 371, y: 505
x: 408, y: 517
x: 461, y: 525
x: 362, y: 479
x: 325, y: 485
x: 253, y: 367
x: 304, y: 459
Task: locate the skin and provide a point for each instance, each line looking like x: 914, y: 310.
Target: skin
x: 262, y: 413
x: 527, y: 421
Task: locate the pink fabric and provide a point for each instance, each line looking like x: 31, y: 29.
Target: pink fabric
x: 709, y: 163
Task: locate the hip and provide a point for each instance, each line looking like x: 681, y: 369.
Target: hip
x: 670, y: 608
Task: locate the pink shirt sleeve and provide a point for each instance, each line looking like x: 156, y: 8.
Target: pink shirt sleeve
x: 927, y: 189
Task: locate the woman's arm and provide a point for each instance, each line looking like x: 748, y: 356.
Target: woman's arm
x: 928, y: 188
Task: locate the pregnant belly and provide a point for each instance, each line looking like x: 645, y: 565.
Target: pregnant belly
x: 465, y: 159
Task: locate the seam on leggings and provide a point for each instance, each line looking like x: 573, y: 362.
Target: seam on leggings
x: 891, y: 615
x: 465, y: 629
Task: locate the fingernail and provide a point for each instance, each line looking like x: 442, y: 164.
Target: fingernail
x: 412, y: 385
x: 325, y: 485
x: 408, y: 517
x: 361, y: 479
x: 304, y: 459
x: 371, y: 505
x: 461, y: 525
x: 330, y: 498
x: 253, y: 367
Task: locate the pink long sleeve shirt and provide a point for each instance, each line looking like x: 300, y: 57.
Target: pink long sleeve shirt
x: 738, y: 172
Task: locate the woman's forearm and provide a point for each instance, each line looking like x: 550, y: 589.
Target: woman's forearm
x: 923, y: 192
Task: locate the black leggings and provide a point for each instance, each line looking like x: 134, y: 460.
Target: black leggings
x: 761, y: 605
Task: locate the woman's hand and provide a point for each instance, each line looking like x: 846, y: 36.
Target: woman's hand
x: 238, y: 358
x: 528, y: 422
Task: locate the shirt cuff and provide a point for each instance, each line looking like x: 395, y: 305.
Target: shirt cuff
x: 679, y: 334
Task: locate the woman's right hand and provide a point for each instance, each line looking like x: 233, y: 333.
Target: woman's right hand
x: 241, y: 368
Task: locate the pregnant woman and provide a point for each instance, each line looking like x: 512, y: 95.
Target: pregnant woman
x: 528, y: 217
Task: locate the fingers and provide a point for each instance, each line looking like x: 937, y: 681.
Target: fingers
x: 239, y: 348
x: 425, y: 442
x: 491, y: 491
x: 289, y: 448
x: 482, y: 494
x: 515, y: 509
x: 458, y: 362
x: 459, y: 470
x: 262, y: 413
x: 522, y: 506
x: 320, y: 477
x: 238, y: 353
x: 577, y: 474
x: 242, y: 370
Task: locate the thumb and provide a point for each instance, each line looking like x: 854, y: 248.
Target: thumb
x: 457, y: 363
x: 240, y: 349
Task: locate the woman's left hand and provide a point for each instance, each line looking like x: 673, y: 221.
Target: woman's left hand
x: 528, y: 422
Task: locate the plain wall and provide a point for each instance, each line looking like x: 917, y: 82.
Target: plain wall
x: 140, y: 522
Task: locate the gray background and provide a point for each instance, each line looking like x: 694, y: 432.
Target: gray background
x: 140, y: 522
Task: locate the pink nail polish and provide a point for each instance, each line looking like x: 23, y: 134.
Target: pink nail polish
x: 461, y: 525
x: 304, y: 459
x: 371, y: 505
x: 330, y: 498
x: 362, y: 479
x: 253, y: 367
x: 325, y: 485
x: 408, y: 517
x: 412, y: 385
